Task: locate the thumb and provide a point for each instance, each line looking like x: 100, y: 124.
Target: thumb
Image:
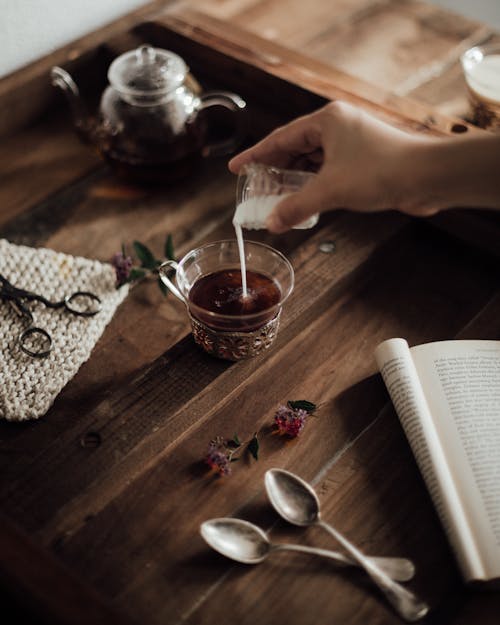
x: 297, y: 207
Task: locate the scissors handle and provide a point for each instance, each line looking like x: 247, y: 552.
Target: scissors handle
x: 13, y: 293
x: 35, y: 342
x: 81, y: 303
x: 90, y: 303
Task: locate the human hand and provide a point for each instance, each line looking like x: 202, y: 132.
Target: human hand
x: 364, y: 165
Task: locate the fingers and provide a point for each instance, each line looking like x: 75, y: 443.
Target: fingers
x: 298, y: 138
x: 313, y: 198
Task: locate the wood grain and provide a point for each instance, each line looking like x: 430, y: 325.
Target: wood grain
x: 111, y: 484
x: 287, y: 64
x: 401, y: 46
x: 150, y: 527
x: 33, y: 587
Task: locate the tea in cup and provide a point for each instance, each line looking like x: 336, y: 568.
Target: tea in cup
x: 225, y: 323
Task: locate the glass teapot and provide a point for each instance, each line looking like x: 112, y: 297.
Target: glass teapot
x: 148, y: 127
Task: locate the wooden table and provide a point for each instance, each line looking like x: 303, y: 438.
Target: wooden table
x: 102, y: 498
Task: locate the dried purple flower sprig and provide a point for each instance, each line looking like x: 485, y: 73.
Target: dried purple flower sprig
x: 289, y: 420
x: 125, y: 270
x: 221, y: 452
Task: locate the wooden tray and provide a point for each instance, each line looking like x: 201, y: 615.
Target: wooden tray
x: 110, y: 483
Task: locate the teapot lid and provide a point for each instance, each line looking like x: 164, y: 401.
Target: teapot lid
x: 147, y: 71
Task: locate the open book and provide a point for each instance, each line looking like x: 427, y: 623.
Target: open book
x: 447, y: 396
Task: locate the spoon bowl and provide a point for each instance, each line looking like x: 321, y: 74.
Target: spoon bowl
x: 247, y: 543
x: 292, y: 497
x: 295, y: 500
x: 236, y: 539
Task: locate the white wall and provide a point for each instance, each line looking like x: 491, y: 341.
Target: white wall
x: 30, y: 29
x: 487, y: 11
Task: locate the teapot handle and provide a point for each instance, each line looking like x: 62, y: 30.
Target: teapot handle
x: 236, y: 105
x: 61, y: 79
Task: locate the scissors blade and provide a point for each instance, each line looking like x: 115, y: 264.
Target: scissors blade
x: 20, y: 309
x: 10, y: 292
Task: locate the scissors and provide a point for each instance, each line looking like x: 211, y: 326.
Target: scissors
x: 34, y: 341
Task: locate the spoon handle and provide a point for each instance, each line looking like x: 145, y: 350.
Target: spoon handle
x: 399, y: 569
x: 408, y: 605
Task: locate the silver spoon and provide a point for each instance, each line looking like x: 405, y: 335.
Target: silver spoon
x: 296, y: 501
x: 245, y: 542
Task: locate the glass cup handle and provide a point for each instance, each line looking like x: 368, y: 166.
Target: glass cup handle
x: 162, y: 271
x: 236, y: 105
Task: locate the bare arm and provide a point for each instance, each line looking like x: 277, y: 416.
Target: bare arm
x: 366, y: 165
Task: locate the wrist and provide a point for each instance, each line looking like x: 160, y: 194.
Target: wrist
x: 457, y: 172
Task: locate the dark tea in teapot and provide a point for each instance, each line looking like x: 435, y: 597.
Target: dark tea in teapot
x: 150, y: 152
x: 149, y: 126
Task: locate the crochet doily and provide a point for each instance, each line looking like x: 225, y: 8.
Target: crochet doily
x: 28, y: 386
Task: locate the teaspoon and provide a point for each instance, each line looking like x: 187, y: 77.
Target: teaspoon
x: 296, y: 501
x: 245, y: 542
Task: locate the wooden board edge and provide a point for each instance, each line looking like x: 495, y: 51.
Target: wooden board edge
x: 310, y: 74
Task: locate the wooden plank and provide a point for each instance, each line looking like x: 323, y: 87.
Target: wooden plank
x: 148, y: 528
x: 123, y: 513
x: 358, y: 492
x: 293, y: 24
x: 38, y: 162
x: 357, y: 489
x: 147, y: 324
x: 444, y: 87
x: 315, y: 76
x: 46, y: 590
x: 392, y: 42
x: 167, y: 395
x: 397, y: 45
x: 72, y: 160
x: 272, y: 61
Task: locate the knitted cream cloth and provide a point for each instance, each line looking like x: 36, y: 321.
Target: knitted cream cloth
x: 28, y: 386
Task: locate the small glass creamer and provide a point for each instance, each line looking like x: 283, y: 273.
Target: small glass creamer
x: 258, y: 190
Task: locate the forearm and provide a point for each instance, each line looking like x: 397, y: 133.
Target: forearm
x: 461, y: 172
x: 367, y: 166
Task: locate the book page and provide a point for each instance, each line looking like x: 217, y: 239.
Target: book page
x: 461, y: 381
x: 398, y: 370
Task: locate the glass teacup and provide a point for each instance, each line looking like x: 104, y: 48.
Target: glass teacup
x: 481, y: 67
x: 224, y: 323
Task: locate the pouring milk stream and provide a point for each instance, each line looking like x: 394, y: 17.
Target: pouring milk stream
x: 251, y: 213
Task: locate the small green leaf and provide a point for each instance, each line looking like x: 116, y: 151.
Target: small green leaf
x: 145, y: 255
x: 234, y: 443
x: 302, y: 404
x: 253, y: 447
x: 169, y: 248
x: 124, y: 253
x: 163, y: 287
x: 136, y: 274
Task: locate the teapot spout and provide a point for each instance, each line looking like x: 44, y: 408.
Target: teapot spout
x: 62, y: 79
